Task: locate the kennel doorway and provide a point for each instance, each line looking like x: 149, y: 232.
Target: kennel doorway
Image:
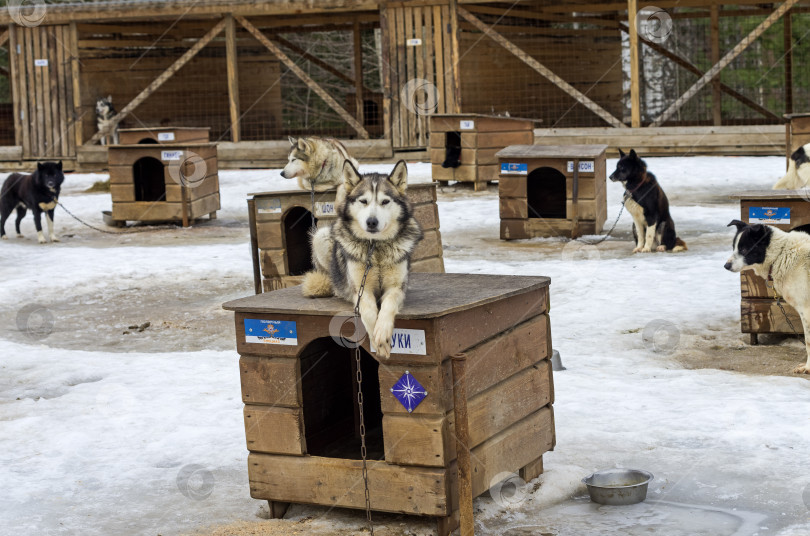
x: 297, y: 223
x: 546, y: 193
x: 149, y: 179
x: 330, y: 407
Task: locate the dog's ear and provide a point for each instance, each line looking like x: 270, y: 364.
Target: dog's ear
x: 39, y: 166
x: 399, y: 176
x: 737, y: 223
x: 59, y: 165
x: 351, y: 177
x: 293, y: 141
x: 621, y: 154
x: 304, y: 145
x: 633, y: 154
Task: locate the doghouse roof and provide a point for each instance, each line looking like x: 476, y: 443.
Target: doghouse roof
x: 428, y: 296
x: 552, y: 151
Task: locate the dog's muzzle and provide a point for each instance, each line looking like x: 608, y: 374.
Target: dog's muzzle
x: 372, y: 225
x: 727, y: 266
x: 283, y: 176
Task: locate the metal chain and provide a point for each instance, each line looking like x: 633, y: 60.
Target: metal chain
x: 607, y: 235
x: 357, y: 357
x: 779, y: 303
x: 129, y: 231
x: 312, y: 204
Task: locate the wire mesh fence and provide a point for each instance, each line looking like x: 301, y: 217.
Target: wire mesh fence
x: 6, y: 109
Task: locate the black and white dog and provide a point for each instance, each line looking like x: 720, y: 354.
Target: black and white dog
x: 38, y: 192
x: 104, y: 114
x: 646, y: 201
x: 781, y: 257
x: 798, y: 173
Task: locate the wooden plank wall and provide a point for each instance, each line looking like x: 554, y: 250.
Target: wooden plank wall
x: 113, y: 63
x: 43, y: 103
x: 493, y: 81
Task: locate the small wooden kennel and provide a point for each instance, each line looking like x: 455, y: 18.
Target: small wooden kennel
x: 549, y: 190
x: 797, y: 131
x: 163, y: 182
x: 470, y: 141
x: 787, y: 210
x: 280, y: 223
x: 163, y: 135
x: 301, y: 415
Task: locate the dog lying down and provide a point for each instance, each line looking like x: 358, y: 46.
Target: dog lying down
x: 371, y: 208
x: 784, y: 258
x: 798, y: 173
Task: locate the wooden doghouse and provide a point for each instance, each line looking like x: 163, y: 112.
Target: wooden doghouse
x: 301, y: 415
x: 785, y: 209
x: 163, y: 135
x: 797, y: 131
x: 163, y: 182
x: 280, y: 223
x: 473, y: 140
x: 549, y: 190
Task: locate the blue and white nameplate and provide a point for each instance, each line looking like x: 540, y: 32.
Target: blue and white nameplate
x: 584, y: 167
x: 268, y: 206
x: 171, y: 155
x: 406, y: 341
x: 514, y: 168
x: 271, y: 332
x: 325, y: 208
x: 165, y: 136
x: 770, y: 215
x: 466, y: 124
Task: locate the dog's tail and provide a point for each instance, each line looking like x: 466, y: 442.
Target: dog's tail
x: 316, y: 285
x: 680, y: 245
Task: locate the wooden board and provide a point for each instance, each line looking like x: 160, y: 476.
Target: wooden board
x: 530, y: 228
x: 270, y: 380
x: 408, y: 490
x: 480, y: 123
x: 764, y: 316
x: 181, y: 135
x: 162, y: 211
x: 274, y: 430
x: 553, y: 151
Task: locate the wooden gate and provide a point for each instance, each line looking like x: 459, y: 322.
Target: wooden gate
x: 420, y: 57
x: 42, y: 67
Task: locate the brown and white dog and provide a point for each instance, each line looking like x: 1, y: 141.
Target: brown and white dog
x: 317, y: 163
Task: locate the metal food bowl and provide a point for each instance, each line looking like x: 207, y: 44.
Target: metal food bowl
x: 617, y: 487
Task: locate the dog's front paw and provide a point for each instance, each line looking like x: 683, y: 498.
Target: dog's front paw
x: 383, y: 333
x: 636, y: 249
x: 54, y: 238
x: 661, y: 249
x: 19, y: 236
x: 41, y: 238
x: 803, y: 369
x: 646, y: 250
x: 4, y: 237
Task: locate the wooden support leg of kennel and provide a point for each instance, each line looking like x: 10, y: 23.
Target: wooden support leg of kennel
x: 300, y: 412
x: 476, y: 138
x: 787, y: 210
x: 549, y: 190
x: 282, y: 222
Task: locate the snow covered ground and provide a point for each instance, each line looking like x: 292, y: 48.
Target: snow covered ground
x: 104, y: 433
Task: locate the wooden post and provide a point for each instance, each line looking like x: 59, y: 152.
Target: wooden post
x: 297, y: 71
x: 16, y: 96
x: 788, y: 64
x: 184, y: 199
x: 4, y: 37
x: 358, y: 73
x: 233, y: 78
x: 717, y: 95
x: 385, y: 38
x: 635, y: 85
x: 157, y: 82
x: 254, y: 247
x: 455, y: 57
x: 720, y: 65
x: 465, y: 498
x: 542, y: 69
x: 575, y: 202
x: 78, y: 121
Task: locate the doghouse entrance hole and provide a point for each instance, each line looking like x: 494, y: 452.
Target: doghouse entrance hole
x: 148, y: 176
x: 452, y: 149
x: 297, y: 223
x: 331, y: 418
x: 546, y: 193
x: 147, y: 141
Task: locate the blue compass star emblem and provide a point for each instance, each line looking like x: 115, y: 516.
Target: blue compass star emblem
x: 409, y: 391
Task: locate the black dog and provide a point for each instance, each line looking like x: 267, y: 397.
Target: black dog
x: 38, y: 191
x: 648, y: 204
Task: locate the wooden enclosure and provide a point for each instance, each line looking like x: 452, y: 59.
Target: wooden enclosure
x: 478, y: 138
x: 281, y: 221
x: 797, y: 132
x: 758, y: 310
x: 163, y: 182
x: 300, y: 405
x: 548, y: 190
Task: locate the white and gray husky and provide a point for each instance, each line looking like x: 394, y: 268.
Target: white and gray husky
x: 798, y: 173
x: 104, y: 114
x: 371, y: 208
x: 317, y: 163
x: 781, y: 257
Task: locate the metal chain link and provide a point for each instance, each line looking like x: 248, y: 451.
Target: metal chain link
x: 607, y: 235
x: 128, y: 231
x: 357, y: 357
x: 779, y: 303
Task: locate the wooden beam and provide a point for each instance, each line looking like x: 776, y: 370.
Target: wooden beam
x: 693, y: 69
x: 455, y: 57
x: 314, y: 59
x: 385, y: 57
x: 788, y: 63
x: 330, y: 101
x: 717, y: 95
x: 635, y: 86
x: 78, y: 121
x: 233, y: 78
x: 4, y: 38
x: 157, y: 82
x: 542, y: 69
x: 358, y: 74
x: 728, y: 58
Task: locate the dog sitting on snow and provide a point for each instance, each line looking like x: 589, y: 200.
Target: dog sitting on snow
x: 798, y: 173
x: 781, y: 257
